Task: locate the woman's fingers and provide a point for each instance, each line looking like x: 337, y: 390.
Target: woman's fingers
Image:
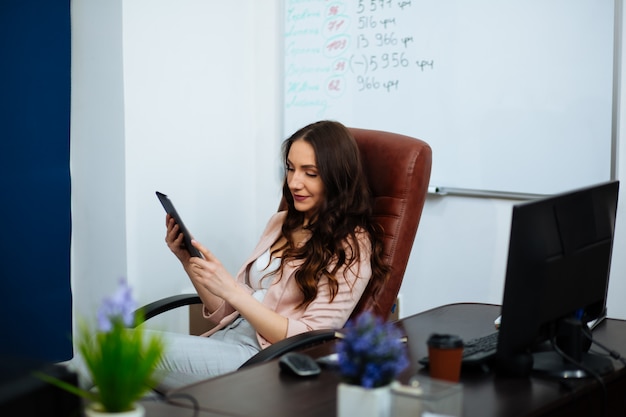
x: 204, y: 251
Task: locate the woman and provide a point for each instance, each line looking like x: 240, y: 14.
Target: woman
x: 307, y: 272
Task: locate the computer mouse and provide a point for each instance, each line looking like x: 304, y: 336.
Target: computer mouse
x: 299, y: 364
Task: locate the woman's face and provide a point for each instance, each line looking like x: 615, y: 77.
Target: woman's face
x: 303, y: 178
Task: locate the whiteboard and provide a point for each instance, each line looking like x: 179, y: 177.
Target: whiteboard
x: 512, y: 95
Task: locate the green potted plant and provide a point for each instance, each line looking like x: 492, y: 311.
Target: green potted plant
x: 121, y: 361
x: 371, y: 355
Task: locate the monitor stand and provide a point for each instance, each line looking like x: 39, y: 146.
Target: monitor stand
x: 552, y: 365
x: 574, y: 342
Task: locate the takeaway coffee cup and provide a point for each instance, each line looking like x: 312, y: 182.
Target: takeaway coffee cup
x: 445, y: 352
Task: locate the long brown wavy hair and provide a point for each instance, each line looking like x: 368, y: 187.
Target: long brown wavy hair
x: 345, y: 211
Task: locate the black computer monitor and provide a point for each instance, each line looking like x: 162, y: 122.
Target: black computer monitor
x: 556, y: 281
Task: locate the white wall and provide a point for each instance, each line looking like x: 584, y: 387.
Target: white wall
x: 184, y: 97
x: 165, y: 99
x: 617, y: 286
x: 97, y: 152
x: 192, y: 132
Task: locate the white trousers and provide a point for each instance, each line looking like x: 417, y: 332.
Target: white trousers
x: 190, y: 359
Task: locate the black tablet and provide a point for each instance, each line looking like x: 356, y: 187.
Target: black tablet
x: 169, y: 209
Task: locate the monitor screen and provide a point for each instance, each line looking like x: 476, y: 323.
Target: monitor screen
x: 556, y: 278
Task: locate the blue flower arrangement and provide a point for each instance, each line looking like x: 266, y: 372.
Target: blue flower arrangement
x: 371, y: 352
x: 121, y: 361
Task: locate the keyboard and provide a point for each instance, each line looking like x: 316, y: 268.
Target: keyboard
x: 476, y: 351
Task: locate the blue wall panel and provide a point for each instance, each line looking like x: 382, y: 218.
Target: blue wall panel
x: 35, y: 220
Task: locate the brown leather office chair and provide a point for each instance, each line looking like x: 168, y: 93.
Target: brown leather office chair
x: 398, y: 171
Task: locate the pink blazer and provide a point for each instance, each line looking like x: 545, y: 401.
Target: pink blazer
x: 284, y: 295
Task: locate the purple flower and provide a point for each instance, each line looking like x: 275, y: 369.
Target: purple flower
x: 371, y: 354
x: 119, y: 307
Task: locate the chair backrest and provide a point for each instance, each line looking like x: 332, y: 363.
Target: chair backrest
x: 398, y: 172
x: 397, y: 168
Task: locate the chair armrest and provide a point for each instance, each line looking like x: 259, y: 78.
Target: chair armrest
x: 296, y: 342
x: 165, y: 304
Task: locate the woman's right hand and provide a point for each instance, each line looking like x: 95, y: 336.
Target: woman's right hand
x: 174, y: 240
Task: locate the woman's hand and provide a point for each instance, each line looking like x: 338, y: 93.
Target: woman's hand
x: 215, y: 285
x: 209, y: 273
x: 174, y: 240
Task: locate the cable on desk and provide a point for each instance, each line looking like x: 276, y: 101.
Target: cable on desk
x: 612, y: 353
x: 586, y: 369
x: 191, y: 398
x: 615, y: 355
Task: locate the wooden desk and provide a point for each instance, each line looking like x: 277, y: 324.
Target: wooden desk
x: 263, y: 390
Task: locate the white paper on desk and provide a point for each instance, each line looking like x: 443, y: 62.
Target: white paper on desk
x: 429, y: 414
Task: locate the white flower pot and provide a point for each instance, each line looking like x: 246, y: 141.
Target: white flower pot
x: 95, y: 410
x: 354, y: 400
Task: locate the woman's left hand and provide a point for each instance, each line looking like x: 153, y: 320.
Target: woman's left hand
x: 209, y: 273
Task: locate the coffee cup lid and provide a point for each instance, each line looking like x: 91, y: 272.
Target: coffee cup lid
x: 444, y: 341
